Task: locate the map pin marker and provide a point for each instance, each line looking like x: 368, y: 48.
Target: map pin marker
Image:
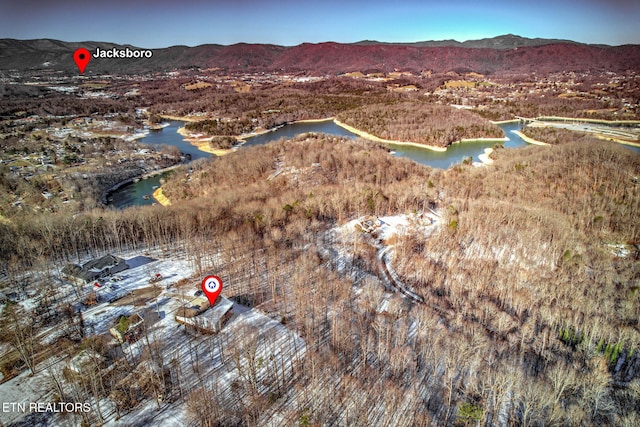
x: 81, y: 57
x: 212, y: 286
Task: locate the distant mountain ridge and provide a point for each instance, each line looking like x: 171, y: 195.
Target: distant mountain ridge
x: 502, y: 54
x: 507, y: 41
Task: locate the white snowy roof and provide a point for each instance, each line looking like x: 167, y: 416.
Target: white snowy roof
x: 210, y: 318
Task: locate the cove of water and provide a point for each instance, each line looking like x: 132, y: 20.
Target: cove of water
x: 293, y: 129
x: 455, y: 154
x: 139, y: 193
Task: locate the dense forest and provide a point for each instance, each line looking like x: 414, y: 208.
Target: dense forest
x: 264, y: 106
x: 421, y: 122
x: 528, y: 258
x: 530, y: 317
x: 367, y: 106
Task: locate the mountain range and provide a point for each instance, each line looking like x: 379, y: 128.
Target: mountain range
x: 507, y: 41
x: 508, y: 54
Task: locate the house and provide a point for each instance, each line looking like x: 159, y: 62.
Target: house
x: 198, y: 316
x: 94, y: 269
x: 128, y: 328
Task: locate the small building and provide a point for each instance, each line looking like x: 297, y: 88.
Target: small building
x: 86, y: 361
x: 128, y: 328
x: 369, y: 224
x: 198, y: 316
x: 94, y: 269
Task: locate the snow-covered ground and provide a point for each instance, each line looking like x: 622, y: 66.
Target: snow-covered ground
x: 380, y: 233
x: 251, y: 352
x: 22, y: 389
x: 224, y: 360
x: 393, y: 225
x: 100, y: 318
x: 209, y: 361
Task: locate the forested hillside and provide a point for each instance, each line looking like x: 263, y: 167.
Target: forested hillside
x: 421, y: 122
x: 530, y: 280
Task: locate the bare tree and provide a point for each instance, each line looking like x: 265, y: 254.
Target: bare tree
x: 20, y: 331
x: 203, y: 408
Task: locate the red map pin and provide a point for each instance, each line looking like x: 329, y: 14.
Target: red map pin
x: 212, y: 286
x: 81, y: 57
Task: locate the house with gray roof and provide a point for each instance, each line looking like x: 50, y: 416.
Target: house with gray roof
x: 95, y: 269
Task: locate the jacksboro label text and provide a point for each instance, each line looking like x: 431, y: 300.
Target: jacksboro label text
x: 122, y: 53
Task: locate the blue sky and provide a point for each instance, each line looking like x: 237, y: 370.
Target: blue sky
x: 162, y: 23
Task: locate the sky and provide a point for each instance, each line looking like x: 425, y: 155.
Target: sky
x: 163, y: 23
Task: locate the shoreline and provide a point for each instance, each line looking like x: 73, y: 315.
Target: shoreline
x: 196, y: 142
x: 157, y: 126
x: 374, y: 138
x: 504, y: 122
x: 179, y: 118
x: 496, y: 140
x: 485, y: 157
x: 313, y: 120
x: 593, y: 132
x: 415, y: 144
x: 115, y: 187
x: 159, y: 197
x: 202, y: 143
x: 529, y: 140
x: 244, y: 136
x: 617, y: 141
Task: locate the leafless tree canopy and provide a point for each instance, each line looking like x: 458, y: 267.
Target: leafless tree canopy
x: 529, y: 316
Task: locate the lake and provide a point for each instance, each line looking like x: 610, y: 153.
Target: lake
x: 139, y: 193
x: 455, y: 154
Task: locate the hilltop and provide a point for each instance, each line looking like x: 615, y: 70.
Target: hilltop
x: 506, y: 41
